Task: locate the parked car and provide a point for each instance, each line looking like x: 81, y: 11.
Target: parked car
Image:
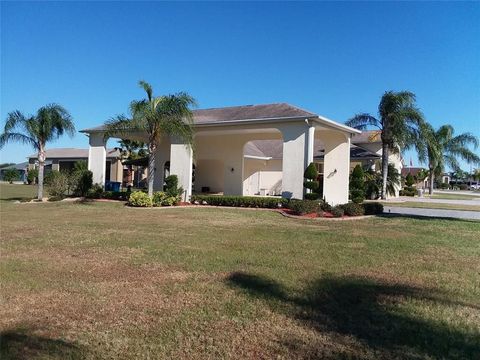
x: 475, y: 186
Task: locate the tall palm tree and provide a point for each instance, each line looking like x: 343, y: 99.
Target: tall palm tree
x: 442, y: 148
x: 399, y: 121
x: 50, y: 122
x: 156, y: 116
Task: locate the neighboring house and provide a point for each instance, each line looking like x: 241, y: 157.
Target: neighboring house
x: 21, y: 169
x: 419, y: 184
x: 65, y: 159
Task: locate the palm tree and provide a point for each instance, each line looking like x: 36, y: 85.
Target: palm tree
x: 399, y: 121
x: 50, y: 122
x: 168, y: 115
x: 442, y: 148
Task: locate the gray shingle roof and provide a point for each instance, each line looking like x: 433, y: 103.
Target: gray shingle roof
x: 367, y: 136
x: 73, y: 153
x: 244, y: 112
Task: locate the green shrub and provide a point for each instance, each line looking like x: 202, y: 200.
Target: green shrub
x: 115, y: 195
x: 95, y: 192
x: 406, y: 192
x: 139, y: 199
x: 337, y: 211
x: 240, y: 201
x: 325, y: 206
x: 171, y: 186
x: 463, y: 186
x: 11, y: 175
x: 444, y: 186
x: 372, y: 208
x: 302, y: 207
x: 357, y: 185
x: 353, y: 209
x: 57, y: 184
x: 161, y: 198
x: 84, y: 182
x: 312, y: 196
x: 32, y: 176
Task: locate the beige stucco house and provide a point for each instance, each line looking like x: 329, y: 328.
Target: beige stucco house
x: 230, y: 148
x: 65, y: 159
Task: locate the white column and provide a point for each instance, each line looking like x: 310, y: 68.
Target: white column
x: 233, y: 168
x: 162, y: 155
x: 336, y: 168
x: 311, y: 143
x: 296, y: 155
x: 181, y: 163
x: 97, y: 155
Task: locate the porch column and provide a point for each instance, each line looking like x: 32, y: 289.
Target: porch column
x: 336, y: 168
x: 181, y: 163
x: 233, y: 168
x: 297, y: 154
x: 162, y: 155
x: 97, y: 156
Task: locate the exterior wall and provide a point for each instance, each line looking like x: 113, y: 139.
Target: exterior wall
x: 181, y: 163
x: 336, y: 167
x: 97, y: 154
x: 262, y: 174
x: 209, y: 173
x: 116, y: 170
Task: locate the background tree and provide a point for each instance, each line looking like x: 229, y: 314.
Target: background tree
x: 168, y: 115
x: 399, y: 121
x: 50, y: 122
x: 131, y: 149
x: 11, y: 175
x: 441, y: 148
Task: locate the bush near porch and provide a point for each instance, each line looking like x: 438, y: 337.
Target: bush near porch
x: 240, y: 201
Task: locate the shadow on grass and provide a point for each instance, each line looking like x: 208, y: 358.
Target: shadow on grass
x: 423, y: 217
x: 367, y: 311
x: 20, y: 344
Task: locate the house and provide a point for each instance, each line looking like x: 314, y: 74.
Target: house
x: 234, y: 143
x: 419, y: 184
x: 21, y: 169
x: 65, y: 159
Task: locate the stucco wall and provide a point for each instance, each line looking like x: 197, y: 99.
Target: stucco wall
x: 262, y: 174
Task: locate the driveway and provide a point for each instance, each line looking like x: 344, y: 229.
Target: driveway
x: 436, y: 213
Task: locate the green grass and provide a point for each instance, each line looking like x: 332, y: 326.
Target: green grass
x: 453, y: 196
x: 10, y: 192
x: 425, y: 205
x: 99, y: 280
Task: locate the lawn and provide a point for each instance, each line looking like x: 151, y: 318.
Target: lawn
x: 432, y: 205
x: 453, y: 196
x: 10, y: 192
x: 99, y: 280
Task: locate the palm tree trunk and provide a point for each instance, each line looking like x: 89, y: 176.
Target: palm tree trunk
x: 151, y: 167
x: 385, y: 155
x: 41, y: 167
x: 430, y: 190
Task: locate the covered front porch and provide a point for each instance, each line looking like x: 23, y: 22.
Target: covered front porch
x: 218, y: 155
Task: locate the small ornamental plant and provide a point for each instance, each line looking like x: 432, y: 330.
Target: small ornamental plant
x: 311, y: 183
x: 357, y: 185
x: 140, y: 199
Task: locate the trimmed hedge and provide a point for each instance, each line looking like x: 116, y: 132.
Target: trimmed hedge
x: 161, y: 198
x: 302, y: 207
x: 372, y: 208
x: 240, y: 201
x: 353, y: 209
x: 115, y: 195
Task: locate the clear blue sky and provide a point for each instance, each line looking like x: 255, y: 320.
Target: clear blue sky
x: 335, y: 59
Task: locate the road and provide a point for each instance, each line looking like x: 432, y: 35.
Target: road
x: 437, y: 213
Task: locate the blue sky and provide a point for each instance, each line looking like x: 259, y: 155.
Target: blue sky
x: 335, y: 59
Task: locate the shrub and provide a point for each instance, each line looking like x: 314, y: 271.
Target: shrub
x: 95, y: 192
x: 32, y: 176
x: 310, y: 182
x: 312, y: 196
x: 372, y: 208
x: 84, y: 182
x: 302, y: 207
x: 57, y: 184
x: 444, y: 186
x: 353, y: 209
x: 11, y: 175
x: 115, y: 195
x: 407, y: 192
x: 171, y: 186
x: 325, y: 206
x: 240, y: 201
x: 139, y: 199
x: 161, y: 198
x: 357, y: 185
x: 463, y: 186
x: 337, y: 211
